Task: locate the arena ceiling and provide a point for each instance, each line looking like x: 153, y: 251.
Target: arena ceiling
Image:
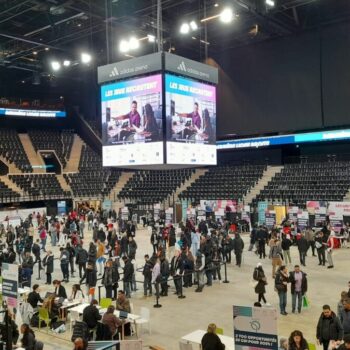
x: 33, y: 32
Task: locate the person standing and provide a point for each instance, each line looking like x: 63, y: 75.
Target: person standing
x: 286, y: 244
x: 147, y: 275
x: 109, y: 278
x: 302, y: 247
x: 81, y: 259
x: 199, y: 268
x: 238, y: 246
x: 164, y: 271
x: 275, y: 255
x: 154, y: 240
x: 331, y: 245
x: 260, y: 278
x: 320, y: 244
x: 298, y: 281
x: 156, y: 277
x: 64, y: 260
x: 281, y: 284
x: 127, y: 278
x: 36, y: 252
x: 43, y: 237
x: 329, y: 328
x: 310, y: 237
x: 262, y: 237
x: 48, y: 264
x: 177, y: 270
x: 91, y: 280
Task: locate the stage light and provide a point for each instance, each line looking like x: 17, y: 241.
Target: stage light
x: 35, y: 53
x: 270, y: 3
x: 85, y: 58
x: 151, y: 38
x: 55, y: 65
x: 193, y: 25
x: 66, y: 63
x: 134, y: 44
x: 226, y: 16
x: 124, y: 46
x: 185, y: 28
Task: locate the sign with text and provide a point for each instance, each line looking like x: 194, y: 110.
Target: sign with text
x: 255, y: 328
x: 10, y: 285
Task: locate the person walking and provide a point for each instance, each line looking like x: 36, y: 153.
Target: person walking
x: 281, y: 285
x: 302, y: 248
x: 329, y: 328
x: 238, y: 246
x: 298, y: 281
x: 260, y: 278
x: 81, y: 259
x: 297, y: 341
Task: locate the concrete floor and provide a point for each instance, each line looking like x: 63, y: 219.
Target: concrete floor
x: 179, y: 317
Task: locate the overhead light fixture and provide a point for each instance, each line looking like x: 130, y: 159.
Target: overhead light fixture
x: 124, y: 46
x: 151, y: 38
x: 216, y: 5
x: 185, y: 28
x: 66, y: 63
x: 270, y: 3
x: 35, y: 53
x: 226, y: 16
x: 193, y: 25
x: 85, y: 58
x: 134, y: 44
x: 55, y: 65
x: 47, y: 49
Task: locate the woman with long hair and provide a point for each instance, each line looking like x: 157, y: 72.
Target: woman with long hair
x: 28, y: 339
x: 150, y: 124
x: 77, y: 293
x: 260, y: 278
x: 297, y: 341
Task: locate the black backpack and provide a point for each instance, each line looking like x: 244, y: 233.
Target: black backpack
x: 256, y: 274
x: 80, y: 330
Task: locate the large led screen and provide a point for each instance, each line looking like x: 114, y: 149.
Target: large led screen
x: 191, y: 121
x: 132, y: 122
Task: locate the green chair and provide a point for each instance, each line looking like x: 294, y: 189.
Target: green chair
x: 105, y: 302
x: 312, y: 346
x: 44, y: 316
x: 219, y: 331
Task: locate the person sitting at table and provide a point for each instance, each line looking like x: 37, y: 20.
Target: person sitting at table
x: 211, y: 340
x: 77, y: 293
x: 52, y: 306
x: 91, y: 315
x: 28, y: 339
x: 80, y: 344
x: 34, y: 297
x: 123, y: 303
x: 111, y: 320
x: 10, y: 318
x: 60, y: 291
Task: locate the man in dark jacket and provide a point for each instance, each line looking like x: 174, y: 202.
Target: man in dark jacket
x: 127, y: 278
x: 303, y: 246
x: 34, y: 297
x: 177, y: 270
x: 328, y: 328
x: 238, y: 246
x: 81, y: 259
x: 36, y: 252
x: 147, y: 275
x: 48, y: 263
x: 345, y: 317
x: 91, y: 315
x: 262, y: 237
x: 298, y: 281
x: 164, y: 271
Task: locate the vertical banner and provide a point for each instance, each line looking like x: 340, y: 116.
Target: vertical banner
x: 270, y: 218
x: 201, y: 215
x: 220, y: 214
x: 255, y: 328
x: 191, y: 214
x: 156, y: 212
x: 107, y: 205
x: 262, y: 207
x: 184, y: 206
x: 336, y: 212
x: 169, y: 213
x: 318, y: 209
x: 293, y: 214
x: 125, y: 213
x: 280, y: 213
x: 10, y: 285
x: 303, y: 219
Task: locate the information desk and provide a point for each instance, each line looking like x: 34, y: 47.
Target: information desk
x: 196, y: 338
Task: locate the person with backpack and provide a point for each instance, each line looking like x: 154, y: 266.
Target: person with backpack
x: 81, y: 259
x: 260, y: 278
x: 64, y: 260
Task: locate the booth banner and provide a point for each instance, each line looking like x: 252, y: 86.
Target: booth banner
x: 254, y: 328
x: 262, y: 207
x: 10, y: 285
x: 280, y: 213
x: 125, y: 213
x: 201, y: 215
x: 191, y: 214
x: 319, y: 209
x: 336, y: 222
x: 169, y: 214
x: 184, y: 206
x: 156, y: 211
x: 107, y: 205
x: 293, y: 214
x: 303, y: 219
x: 270, y: 218
x: 246, y: 213
x: 336, y: 212
x: 220, y: 214
x: 61, y: 207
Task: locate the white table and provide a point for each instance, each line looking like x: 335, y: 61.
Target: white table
x: 80, y: 308
x: 196, y: 338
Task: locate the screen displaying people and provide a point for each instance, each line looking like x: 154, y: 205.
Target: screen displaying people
x: 132, y: 116
x: 191, y: 119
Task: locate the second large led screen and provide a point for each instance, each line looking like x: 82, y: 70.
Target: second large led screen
x: 132, y: 130
x: 191, y: 121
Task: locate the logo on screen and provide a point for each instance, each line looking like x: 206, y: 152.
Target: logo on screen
x: 114, y: 72
x: 182, y: 66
